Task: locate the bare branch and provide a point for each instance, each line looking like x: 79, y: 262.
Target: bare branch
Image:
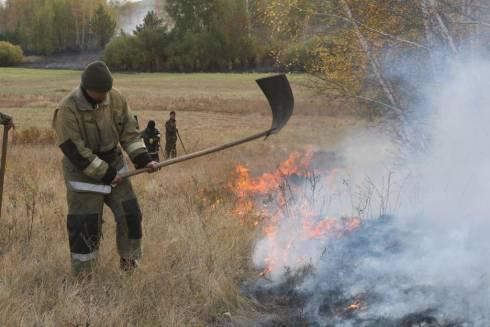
x: 442, y: 26
x: 385, y: 84
x: 367, y: 99
x: 344, y: 91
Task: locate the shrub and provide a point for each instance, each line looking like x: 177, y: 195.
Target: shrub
x: 118, y: 54
x: 10, y: 54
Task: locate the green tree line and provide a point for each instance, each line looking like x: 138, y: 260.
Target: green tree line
x: 184, y: 35
x: 53, y: 26
x: 351, y: 47
x: 199, y: 35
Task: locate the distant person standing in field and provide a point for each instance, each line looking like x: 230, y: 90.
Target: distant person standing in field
x: 7, y: 121
x: 171, y: 137
x: 151, y: 136
x: 92, y: 124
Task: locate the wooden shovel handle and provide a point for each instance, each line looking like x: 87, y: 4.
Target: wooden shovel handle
x: 3, y: 163
x: 198, y: 154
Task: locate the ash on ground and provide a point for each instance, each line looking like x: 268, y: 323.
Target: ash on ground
x: 338, y: 294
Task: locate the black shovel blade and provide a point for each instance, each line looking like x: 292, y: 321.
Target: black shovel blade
x: 281, y: 99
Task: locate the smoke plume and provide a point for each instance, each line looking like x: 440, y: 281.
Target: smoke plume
x: 422, y: 250
x: 134, y: 13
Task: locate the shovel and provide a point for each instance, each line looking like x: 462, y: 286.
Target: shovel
x: 281, y: 100
x: 181, y: 143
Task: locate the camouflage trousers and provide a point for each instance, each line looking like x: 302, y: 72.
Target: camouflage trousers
x: 86, y: 200
x: 171, y: 149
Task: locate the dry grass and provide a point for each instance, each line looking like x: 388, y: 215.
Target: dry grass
x: 33, y: 135
x: 196, y: 253
x: 223, y: 93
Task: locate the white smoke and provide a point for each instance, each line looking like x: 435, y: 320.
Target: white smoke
x: 446, y: 201
x: 129, y: 19
x: 334, y: 197
x: 435, y: 253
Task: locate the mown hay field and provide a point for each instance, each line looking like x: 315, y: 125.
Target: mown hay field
x: 196, y: 253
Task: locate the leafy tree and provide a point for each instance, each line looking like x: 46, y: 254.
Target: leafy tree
x: 191, y: 15
x: 122, y: 53
x: 187, y: 54
x: 2, y: 19
x: 211, y: 35
x: 358, y: 43
x: 353, y: 40
x: 10, y: 54
x: 47, y: 26
x: 152, y: 39
x: 63, y: 26
x: 41, y: 35
x: 102, y: 26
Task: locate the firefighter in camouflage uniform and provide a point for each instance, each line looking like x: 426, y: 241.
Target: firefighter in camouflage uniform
x: 171, y: 137
x: 151, y: 136
x: 93, y: 125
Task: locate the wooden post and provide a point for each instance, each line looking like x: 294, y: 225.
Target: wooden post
x: 3, y: 164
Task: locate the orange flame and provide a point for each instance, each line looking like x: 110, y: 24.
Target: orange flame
x: 273, y: 207
x: 356, y: 306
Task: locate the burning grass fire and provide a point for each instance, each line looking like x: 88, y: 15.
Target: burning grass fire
x: 289, y: 194
x: 320, y: 263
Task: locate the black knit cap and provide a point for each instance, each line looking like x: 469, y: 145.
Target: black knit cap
x: 97, y: 77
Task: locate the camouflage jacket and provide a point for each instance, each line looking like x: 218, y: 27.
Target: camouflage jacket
x: 171, y: 130
x: 4, y: 118
x: 85, y: 133
x: 152, y: 139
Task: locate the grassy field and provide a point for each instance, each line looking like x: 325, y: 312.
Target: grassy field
x: 196, y: 253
